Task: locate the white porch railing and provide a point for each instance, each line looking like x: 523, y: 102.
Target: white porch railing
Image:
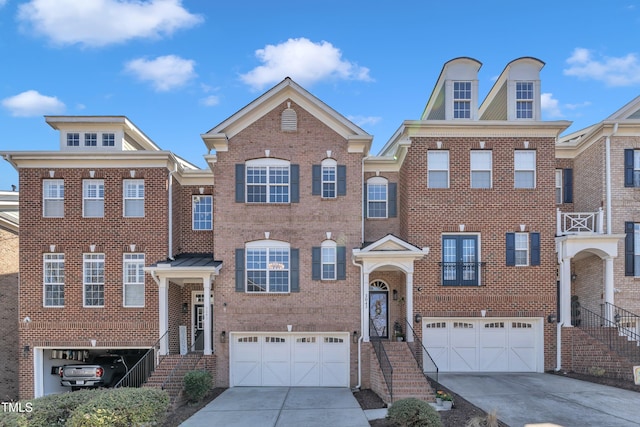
x: 579, y: 222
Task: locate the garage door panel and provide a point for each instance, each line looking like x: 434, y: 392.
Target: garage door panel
x: 276, y: 357
x: 464, y: 352
x: 306, y: 361
x: 493, y: 346
x: 436, y: 341
x: 246, y: 366
x: 522, y: 356
x: 335, y: 373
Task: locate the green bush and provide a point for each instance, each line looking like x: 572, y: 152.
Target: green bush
x: 413, y: 412
x: 122, y: 407
x: 13, y: 419
x: 197, y: 384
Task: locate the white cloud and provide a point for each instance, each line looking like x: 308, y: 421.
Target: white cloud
x: 31, y: 103
x: 304, y: 61
x: 577, y: 106
x: 210, y: 101
x: 363, y: 121
x: 550, y: 106
x: 103, y: 22
x: 620, y: 71
x: 3, y: 2
x: 165, y: 72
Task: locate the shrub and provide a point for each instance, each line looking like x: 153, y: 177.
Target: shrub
x: 122, y: 407
x: 490, y: 420
x: 197, y: 384
x: 414, y: 413
x: 596, y: 371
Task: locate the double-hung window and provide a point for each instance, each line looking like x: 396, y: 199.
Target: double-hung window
x: 93, y: 198
x: 202, y: 208
x: 133, y: 276
x: 558, y: 186
x: 460, y: 266
x: 523, y: 249
x: 133, y: 194
x: 481, y: 168
x: 524, y: 169
x: 438, y: 169
x: 267, y: 182
x: 267, y: 269
x: 461, y: 100
x: 524, y: 100
x: 632, y: 249
x: 377, y: 197
x: 328, y: 260
x: 53, y: 280
x: 329, y: 179
x: 93, y: 280
x: 631, y: 168
x: 53, y: 198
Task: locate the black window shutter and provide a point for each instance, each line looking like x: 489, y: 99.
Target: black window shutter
x: 341, y: 267
x: 511, y: 248
x: 629, y: 249
x: 240, y: 183
x: 316, y: 180
x: 628, y: 168
x: 240, y: 282
x: 316, y: 263
x: 392, y: 199
x: 364, y: 200
x: 294, y: 170
x: 567, y: 184
x: 342, y: 180
x: 294, y: 271
x: 534, y: 242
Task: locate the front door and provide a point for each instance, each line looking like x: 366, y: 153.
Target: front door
x: 379, y: 314
x: 198, y: 326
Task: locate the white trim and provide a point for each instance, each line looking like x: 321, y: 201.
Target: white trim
x: 193, y: 208
x: 378, y: 181
x: 44, y: 278
x: 124, y: 278
x: 136, y: 182
x: 84, y: 284
x: 329, y: 244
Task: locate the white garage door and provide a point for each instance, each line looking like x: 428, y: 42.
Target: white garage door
x: 289, y: 359
x: 485, y: 345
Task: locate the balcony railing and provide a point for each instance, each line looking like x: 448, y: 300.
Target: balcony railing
x: 461, y: 273
x: 579, y: 222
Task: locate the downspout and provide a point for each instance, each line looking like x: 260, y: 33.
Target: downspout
x: 357, y: 387
x: 170, y: 196
x: 607, y: 166
x: 558, y: 346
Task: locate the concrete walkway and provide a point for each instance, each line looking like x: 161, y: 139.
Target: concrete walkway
x: 529, y: 399
x: 281, y: 407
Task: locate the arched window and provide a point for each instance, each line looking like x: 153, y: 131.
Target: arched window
x: 377, y: 197
x: 329, y: 178
x: 328, y: 260
x: 267, y: 181
x: 267, y: 266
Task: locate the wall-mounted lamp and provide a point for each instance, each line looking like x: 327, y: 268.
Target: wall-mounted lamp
x: 395, y: 295
x: 223, y: 336
x: 616, y: 318
x: 552, y: 318
x: 25, y: 351
x: 354, y: 337
x: 185, y: 307
x: 574, y: 276
x: 419, y: 288
x: 418, y: 318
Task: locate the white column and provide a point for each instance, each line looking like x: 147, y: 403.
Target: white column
x: 565, y: 292
x: 409, y: 307
x: 365, y: 306
x: 163, y: 314
x: 206, y: 284
x: 608, y: 286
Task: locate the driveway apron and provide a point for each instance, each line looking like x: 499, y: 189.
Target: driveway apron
x: 528, y: 399
x: 281, y: 407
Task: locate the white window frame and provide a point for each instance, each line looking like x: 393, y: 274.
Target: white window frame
x: 524, y: 100
x: 73, y: 139
x: 376, y: 186
x: 89, y: 195
x: 329, y: 259
x: 435, y: 165
x: 53, y: 198
x: 462, y: 100
x: 270, y: 181
x: 93, y: 276
x: 90, y: 139
x: 559, y: 185
x: 108, y: 139
x: 479, y: 164
x: 201, y: 220
x: 329, y: 175
x: 520, y: 166
x: 521, y: 249
x: 53, y: 278
x: 271, y: 252
x: 133, y: 198
x: 133, y: 276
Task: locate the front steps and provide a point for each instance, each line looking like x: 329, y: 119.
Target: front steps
x: 408, y: 379
x: 588, y: 352
x: 165, y: 368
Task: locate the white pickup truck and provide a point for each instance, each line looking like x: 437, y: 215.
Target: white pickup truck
x: 104, y: 371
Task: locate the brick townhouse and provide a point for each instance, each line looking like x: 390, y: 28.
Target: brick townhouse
x: 296, y: 253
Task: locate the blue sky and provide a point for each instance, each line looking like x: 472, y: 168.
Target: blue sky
x: 178, y: 68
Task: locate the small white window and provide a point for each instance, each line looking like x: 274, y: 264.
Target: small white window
x: 108, y: 140
x: 90, y: 139
x: 377, y: 197
x: 53, y: 280
x: 522, y: 249
x: 558, y: 186
x: 133, y: 276
x: 133, y: 195
x: 328, y: 260
x: 93, y: 280
x: 525, y: 169
x: 461, y: 100
x: 202, y: 208
x: 53, y: 198
x: 481, y: 168
x: 524, y: 100
x: 329, y: 178
x: 438, y: 169
x: 73, y: 139
x: 93, y: 198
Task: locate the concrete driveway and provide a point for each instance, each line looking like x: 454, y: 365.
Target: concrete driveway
x: 281, y: 407
x: 526, y: 399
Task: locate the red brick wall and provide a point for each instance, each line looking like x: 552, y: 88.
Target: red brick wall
x: 320, y: 305
x: 9, y: 315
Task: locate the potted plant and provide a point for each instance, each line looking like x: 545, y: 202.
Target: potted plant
x: 399, y: 336
x: 447, y: 400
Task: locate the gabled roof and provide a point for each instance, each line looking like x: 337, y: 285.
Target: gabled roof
x: 9, y: 210
x: 389, y: 242
x: 218, y: 137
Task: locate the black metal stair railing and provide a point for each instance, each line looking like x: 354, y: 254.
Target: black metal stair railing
x: 383, y: 359
x: 142, y: 370
x: 192, y: 349
x: 423, y: 358
x: 608, y: 331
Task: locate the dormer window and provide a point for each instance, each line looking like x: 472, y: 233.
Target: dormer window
x: 461, y: 100
x: 73, y: 139
x: 524, y: 100
x: 108, y: 140
x: 90, y: 139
